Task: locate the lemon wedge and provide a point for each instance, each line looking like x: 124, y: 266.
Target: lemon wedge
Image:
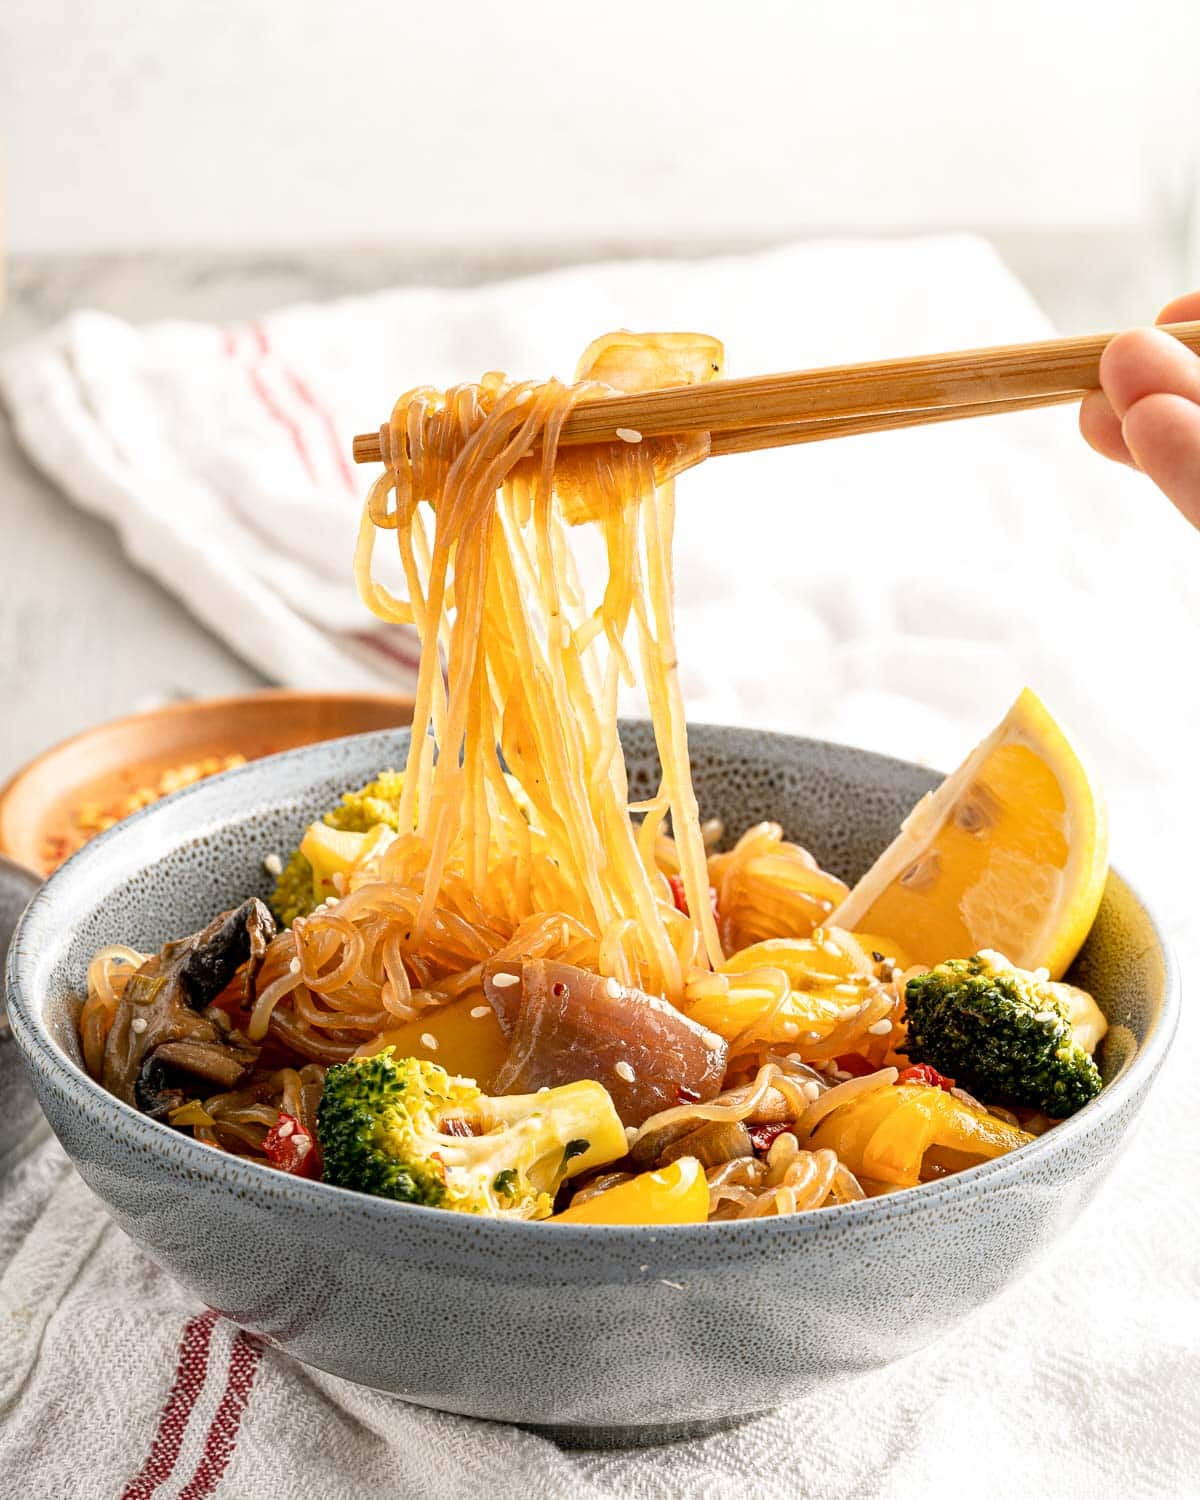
x: 1010, y: 853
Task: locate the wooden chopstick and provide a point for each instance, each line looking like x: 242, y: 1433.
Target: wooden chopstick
x: 775, y: 410
x: 786, y: 435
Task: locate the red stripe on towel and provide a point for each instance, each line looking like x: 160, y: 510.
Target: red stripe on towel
x: 219, y: 1445
x: 190, y: 1370
x: 344, y: 466
x: 396, y: 647
x: 263, y: 392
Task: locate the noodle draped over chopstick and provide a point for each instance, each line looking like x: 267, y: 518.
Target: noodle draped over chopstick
x: 515, y: 796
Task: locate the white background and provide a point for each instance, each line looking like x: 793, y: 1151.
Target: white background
x: 129, y: 124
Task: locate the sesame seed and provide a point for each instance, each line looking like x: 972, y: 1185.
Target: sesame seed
x: 138, y: 1024
x: 841, y: 1076
x: 284, y: 1129
x: 294, y: 966
x: 631, y: 1135
x: 505, y: 981
x: 479, y: 1011
x: 273, y: 865
x: 429, y: 1040
x: 331, y: 901
x: 629, y: 434
x: 880, y: 1028
x: 811, y: 1090
x: 545, y: 1089
x: 794, y: 1057
x: 624, y: 1071
x: 612, y: 989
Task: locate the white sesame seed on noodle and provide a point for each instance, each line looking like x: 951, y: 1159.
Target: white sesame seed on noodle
x: 429, y: 1040
x: 880, y: 1028
x: 629, y: 434
x: 624, y: 1071
x: 505, y: 981
x: 479, y: 1011
x: 138, y: 1024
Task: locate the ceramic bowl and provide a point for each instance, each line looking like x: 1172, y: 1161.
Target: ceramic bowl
x: 601, y: 1334
x: 18, y: 1107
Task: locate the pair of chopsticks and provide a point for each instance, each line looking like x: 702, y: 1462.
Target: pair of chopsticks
x: 805, y: 406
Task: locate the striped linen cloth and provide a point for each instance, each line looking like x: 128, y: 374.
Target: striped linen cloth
x: 894, y: 591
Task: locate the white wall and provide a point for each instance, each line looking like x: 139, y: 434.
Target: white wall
x: 130, y: 123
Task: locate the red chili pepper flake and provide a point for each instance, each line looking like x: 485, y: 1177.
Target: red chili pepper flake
x: 923, y: 1073
x: 762, y: 1136
x: 679, y: 895
x: 558, y: 989
x: 855, y: 1064
x: 456, y: 1125
x: 290, y: 1148
x: 685, y: 1095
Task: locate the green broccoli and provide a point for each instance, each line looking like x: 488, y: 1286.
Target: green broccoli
x: 295, y: 893
x: 1003, y: 1033
x: 406, y: 1129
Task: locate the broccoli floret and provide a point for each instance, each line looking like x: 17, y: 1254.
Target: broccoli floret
x: 293, y: 894
x: 406, y: 1129
x: 1003, y: 1033
x: 378, y: 802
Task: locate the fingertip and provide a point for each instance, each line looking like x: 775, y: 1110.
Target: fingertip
x: 1162, y: 432
x: 1101, y: 428
x: 1185, y: 309
x: 1142, y: 361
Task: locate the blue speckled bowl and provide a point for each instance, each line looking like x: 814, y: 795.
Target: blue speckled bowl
x: 602, y: 1334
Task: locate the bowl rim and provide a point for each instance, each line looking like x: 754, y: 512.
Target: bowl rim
x: 44, y: 1056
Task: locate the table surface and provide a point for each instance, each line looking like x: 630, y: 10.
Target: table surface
x: 85, y: 636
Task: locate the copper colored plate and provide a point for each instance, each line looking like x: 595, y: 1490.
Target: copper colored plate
x: 39, y: 804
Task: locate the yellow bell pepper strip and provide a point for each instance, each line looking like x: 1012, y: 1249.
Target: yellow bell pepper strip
x: 465, y: 1035
x: 884, y: 1135
x: 678, y: 1194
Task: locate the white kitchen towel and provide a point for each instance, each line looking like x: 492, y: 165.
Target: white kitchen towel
x: 893, y: 590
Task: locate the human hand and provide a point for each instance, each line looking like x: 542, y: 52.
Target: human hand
x: 1147, y: 413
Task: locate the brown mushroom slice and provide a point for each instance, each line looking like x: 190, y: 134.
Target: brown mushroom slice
x: 713, y: 1144
x: 564, y: 1023
x: 162, y: 1007
x: 218, y: 1064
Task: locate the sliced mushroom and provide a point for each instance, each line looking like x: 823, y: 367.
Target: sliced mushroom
x: 715, y: 1142
x: 160, y: 1034
x: 564, y: 1023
